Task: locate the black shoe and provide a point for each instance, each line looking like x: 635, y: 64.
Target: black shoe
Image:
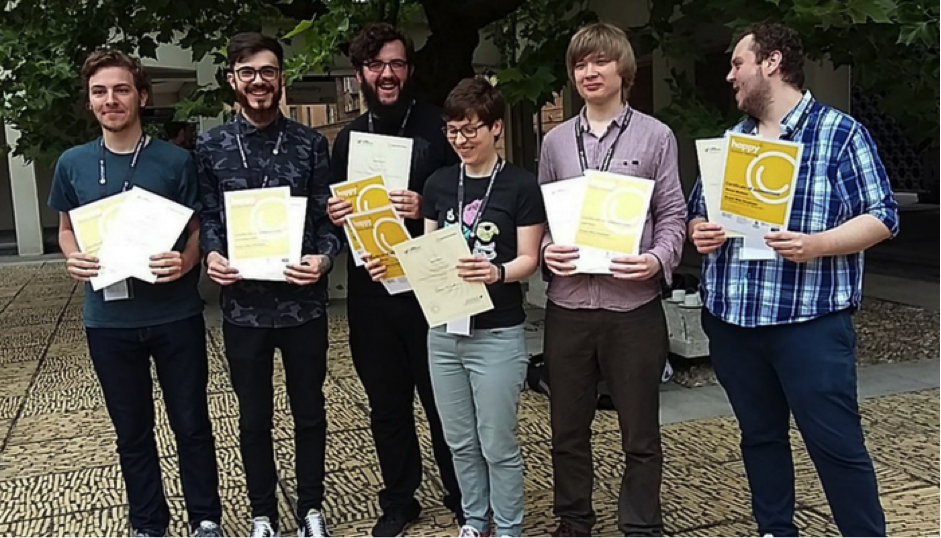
x: 395, y: 523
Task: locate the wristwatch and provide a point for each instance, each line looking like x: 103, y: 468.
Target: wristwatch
x: 502, y: 274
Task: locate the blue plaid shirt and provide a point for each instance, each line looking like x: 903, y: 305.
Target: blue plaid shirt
x: 841, y: 177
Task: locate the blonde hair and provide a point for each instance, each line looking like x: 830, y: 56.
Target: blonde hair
x: 609, y: 41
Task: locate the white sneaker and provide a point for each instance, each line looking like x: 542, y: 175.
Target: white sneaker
x: 262, y: 527
x: 468, y: 532
x: 314, y: 524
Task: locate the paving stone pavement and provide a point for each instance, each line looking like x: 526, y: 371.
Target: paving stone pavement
x: 59, y: 473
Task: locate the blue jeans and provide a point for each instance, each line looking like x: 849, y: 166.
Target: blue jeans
x: 477, y: 382
x: 808, y: 369
x: 122, y: 361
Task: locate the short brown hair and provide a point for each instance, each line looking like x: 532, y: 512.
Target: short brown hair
x: 370, y: 40
x: 771, y: 37
x: 609, y: 41
x: 475, y: 97
x: 101, y: 59
x: 247, y: 44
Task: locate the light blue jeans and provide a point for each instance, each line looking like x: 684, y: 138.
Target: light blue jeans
x: 477, y: 382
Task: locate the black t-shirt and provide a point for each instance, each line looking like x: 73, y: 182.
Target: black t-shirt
x: 430, y: 151
x: 515, y: 201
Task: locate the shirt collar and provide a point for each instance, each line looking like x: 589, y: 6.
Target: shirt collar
x: 246, y: 128
x: 618, y: 120
x: 791, y: 121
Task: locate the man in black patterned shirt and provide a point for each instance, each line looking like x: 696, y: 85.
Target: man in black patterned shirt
x: 261, y: 148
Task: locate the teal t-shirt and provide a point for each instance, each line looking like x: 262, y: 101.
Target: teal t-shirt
x: 163, y: 169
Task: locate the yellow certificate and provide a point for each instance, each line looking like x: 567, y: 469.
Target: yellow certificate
x: 613, y: 214
x: 364, y: 195
x: 430, y: 261
x: 91, y: 223
x: 378, y: 231
x: 758, y: 182
x: 258, y: 230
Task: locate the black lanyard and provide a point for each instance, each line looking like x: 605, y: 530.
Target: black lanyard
x: 128, y: 177
x: 401, y: 131
x: 606, y: 163
x: 497, y: 167
x: 274, y: 153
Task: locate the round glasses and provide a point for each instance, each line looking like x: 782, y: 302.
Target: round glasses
x: 248, y: 74
x: 468, y: 131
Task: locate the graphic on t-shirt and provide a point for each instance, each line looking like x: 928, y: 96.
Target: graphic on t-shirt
x: 485, y: 244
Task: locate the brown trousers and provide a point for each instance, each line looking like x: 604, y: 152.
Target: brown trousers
x: 628, y: 350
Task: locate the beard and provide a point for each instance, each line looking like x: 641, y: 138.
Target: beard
x: 251, y: 110
x: 755, y: 102
x: 391, y: 111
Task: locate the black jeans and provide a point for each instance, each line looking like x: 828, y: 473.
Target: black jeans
x: 250, y: 352
x: 389, y: 342
x: 122, y: 361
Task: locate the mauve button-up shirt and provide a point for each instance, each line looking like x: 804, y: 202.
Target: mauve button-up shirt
x: 647, y: 149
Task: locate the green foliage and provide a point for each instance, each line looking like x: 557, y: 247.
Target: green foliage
x: 44, y: 42
x: 533, y: 42
x: 891, y: 47
x: 689, y: 113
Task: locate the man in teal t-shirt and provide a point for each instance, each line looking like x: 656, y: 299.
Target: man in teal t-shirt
x: 128, y: 323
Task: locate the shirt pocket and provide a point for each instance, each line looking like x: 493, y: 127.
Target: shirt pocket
x: 231, y: 175
x: 641, y: 167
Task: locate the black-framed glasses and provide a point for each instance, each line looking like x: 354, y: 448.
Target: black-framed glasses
x: 468, y: 131
x: 247, y: 74
x: 378, y: 66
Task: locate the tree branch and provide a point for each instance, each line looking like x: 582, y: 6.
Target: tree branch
x: 301, y: 10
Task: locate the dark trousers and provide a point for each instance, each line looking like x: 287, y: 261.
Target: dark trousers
x: 389, y: 342
x: 121, y: 358
x: 629, y: 350
x: 808, y: 369
x: 250, y: 352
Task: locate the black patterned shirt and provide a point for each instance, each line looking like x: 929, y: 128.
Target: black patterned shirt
x: 302, y: 163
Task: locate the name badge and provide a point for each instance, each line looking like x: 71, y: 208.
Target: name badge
x: 118, y: 291
x: 460, y: 327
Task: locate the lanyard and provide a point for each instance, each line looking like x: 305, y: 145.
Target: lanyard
x: 274, y: 153
x: 606, y: 163
x: 401, y: 131
x: 103, y: 174
x: 497, y: 167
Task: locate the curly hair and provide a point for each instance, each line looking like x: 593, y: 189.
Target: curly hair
x: 370, y: 40
x: 771, y: 37
x: 102, y: 59
x: 247, y: 44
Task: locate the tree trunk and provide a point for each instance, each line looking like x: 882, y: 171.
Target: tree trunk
x: 444, y: 60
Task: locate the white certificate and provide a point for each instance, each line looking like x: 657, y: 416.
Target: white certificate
x: 145, y: 225
x: 91, y: 223
x: 711, y: 155
x: 562, y: 200
x: 380, y: 155
x: 430, y: 263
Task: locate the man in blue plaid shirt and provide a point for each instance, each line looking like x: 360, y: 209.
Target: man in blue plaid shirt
x: 781, y: 331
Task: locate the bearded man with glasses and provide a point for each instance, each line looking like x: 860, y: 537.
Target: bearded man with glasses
x: 261, y: 148
x: 388, y: 333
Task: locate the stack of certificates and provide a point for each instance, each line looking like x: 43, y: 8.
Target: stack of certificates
x: 374, y: 227
x: 748, y: 186
x: 264, y: 231
x: 123, y: 231
x: 609, y: 220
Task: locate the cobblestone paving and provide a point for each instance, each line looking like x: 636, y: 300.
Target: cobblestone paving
x: 59, y: 472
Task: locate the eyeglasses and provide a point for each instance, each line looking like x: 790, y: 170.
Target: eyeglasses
x: 378, y: 66
x: 469, y: 131
x: 247, y: 74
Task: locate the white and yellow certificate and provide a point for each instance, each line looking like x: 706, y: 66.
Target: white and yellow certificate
x: 145, y: 225
x: 710, y: 153
x: 364, y: 195
x: 758, y: 182
x: 612, y: 218
x: 379, y: 231
x: 258, y: 232
x: 91, y: 223
x: 380, y: 155
x: 430, y: 261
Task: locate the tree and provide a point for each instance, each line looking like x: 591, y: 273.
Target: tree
x: 43, y: 43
